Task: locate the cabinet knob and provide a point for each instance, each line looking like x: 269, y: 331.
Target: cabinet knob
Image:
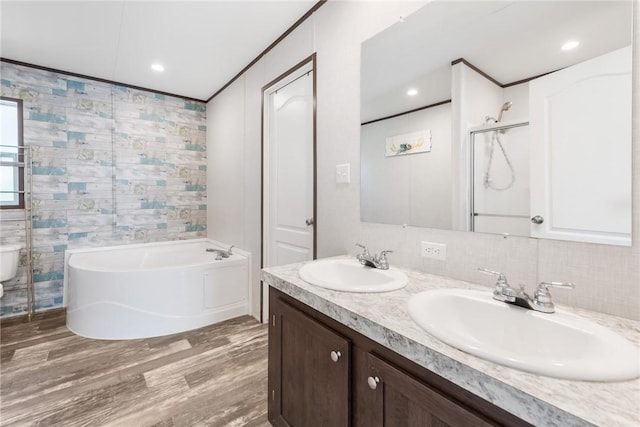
x: 373, y: 382
x: 336, y: 355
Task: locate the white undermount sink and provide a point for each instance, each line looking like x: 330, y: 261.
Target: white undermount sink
x: 560, y: 345
x: 349, y: 275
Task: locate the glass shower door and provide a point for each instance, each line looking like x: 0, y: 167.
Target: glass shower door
x: 500, y: 174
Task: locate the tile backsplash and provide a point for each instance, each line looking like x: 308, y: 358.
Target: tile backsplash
x: 111, y: 165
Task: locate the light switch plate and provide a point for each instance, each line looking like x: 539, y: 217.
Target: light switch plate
x: 343, y: 173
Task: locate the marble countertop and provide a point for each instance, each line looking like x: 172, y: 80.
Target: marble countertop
x: 384, y: 318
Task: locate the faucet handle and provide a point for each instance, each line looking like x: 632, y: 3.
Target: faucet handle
x: 542, y: 298
x: 543, y: 295
x: 502, y: 279
x: 364, y: 248
x: 547, y: 285
x: 382, y: 260
x: 502, y: 292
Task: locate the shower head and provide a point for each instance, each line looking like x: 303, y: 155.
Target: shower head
x: 504, y: 108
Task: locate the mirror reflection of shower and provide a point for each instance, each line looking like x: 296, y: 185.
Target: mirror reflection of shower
x: 504, y: 108
x: 500, y: 152
x: 495, y: 140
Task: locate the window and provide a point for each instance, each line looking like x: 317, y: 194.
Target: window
x: 11, y: 154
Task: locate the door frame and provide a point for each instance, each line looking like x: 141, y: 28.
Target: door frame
x: 310, y: 60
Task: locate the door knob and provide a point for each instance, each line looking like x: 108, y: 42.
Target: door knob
x: 335, y: 355
x: 537, y: 219
x: 309, y: 221
x: 373, y: 382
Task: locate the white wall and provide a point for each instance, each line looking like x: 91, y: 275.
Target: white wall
x: 606, y: 277
x: 226, y: 166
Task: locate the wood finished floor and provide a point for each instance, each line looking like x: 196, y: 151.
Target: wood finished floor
x: 213, y: 376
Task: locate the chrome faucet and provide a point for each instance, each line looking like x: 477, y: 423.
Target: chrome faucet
x: 541, y: 300
x: 221, y: 253
x: 374, y: 261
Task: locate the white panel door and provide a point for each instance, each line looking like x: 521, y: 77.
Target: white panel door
x: 581, y: 151
x: 289, y: 203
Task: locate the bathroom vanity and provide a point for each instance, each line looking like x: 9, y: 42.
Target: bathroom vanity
x: 339, y: 359
x: 345, y: 369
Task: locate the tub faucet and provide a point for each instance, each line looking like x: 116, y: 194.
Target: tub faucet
x: 374, y: 261
x: 221, y: 253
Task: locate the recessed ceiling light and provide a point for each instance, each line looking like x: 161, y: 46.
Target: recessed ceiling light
x: 572, y: 44
x: 412, y: 92
x: 157, y: 67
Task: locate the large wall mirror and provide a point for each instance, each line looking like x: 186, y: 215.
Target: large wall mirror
x: 501, y: 117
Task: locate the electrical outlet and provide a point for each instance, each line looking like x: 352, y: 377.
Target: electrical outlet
x: 434, y: 250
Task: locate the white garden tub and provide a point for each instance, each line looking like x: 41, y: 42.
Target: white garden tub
x: 148, y: 290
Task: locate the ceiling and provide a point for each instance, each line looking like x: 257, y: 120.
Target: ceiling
x: 508, y: 40
x: 202, y: 44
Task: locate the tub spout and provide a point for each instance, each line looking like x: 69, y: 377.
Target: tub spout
x: 220, y: 253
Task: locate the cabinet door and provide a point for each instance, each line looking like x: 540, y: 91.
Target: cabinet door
x: 309, y: 371
x: 401, y: 400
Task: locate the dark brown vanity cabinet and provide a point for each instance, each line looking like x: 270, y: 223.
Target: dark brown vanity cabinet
x: 309, y: 370
x: 322, y: 373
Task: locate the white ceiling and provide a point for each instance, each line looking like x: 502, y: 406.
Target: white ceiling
x: 202, y: 44
x: 508, y: 40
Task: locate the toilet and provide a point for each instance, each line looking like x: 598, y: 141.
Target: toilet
x: 9, y: 258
